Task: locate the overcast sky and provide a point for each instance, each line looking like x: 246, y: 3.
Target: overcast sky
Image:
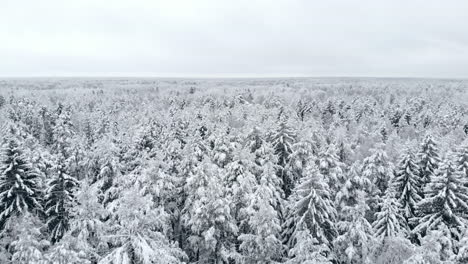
x: 400, y: 38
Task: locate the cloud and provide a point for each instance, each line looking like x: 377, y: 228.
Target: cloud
x: 234, y: 38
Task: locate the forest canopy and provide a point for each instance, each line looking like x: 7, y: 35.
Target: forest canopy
x: 234, y: 171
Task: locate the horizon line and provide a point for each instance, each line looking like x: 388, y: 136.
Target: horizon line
x: 215, y: 77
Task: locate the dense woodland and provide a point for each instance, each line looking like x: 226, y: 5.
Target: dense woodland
x: 234, y: 171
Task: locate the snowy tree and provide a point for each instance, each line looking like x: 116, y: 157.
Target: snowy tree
x: 268, y: 173
x: 58, y: 199
x: 138, y: 235
x: 356, y: 183
x: 18, y: 182
x: 428, y: 159
x: 393, y: 250
x: 87, y: 230
x: 406, y: 184
x: 462, y: 161
x: 262, y: 243
x: 207, y: 214
x: 389, y: 221
x: 240, y: 182
x: 307, y: 250
x: 283, y: 139
x: 355, y: 240
x: 64, y: 252
x: 445, y: 202
x: 29, y: 245
x: 330, y: 168
x: 62, y: 132
x: 313, y: 209
x: 300, y: 158
x: 435, y: 248
x: 378, y: 170
x: 462, y: 256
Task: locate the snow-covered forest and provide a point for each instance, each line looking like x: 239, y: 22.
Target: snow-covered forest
x: 234, y: 171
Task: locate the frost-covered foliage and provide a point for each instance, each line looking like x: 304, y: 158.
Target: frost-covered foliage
x: 315, y: 171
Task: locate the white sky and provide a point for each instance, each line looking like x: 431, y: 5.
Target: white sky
x: 237, y: 38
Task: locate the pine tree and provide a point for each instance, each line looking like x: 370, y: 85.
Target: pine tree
x: 428, y: 159
x: 378, y: 170
x: 462, y: 161
x: 29, y: 244
x: 62, y: 132
x: 262, y: 243
x: 240, y: 182
x: 406, y: 184
x: 313, y: 209
x: 300, y: 158
x: 330, y: 168
x: 207, y: 214
x: 389, y: 221
x: 283, y: 140
x: 268, y: 173
x: 18, y: 182
x: 58, y: 200
x: 355, y: 239
x: 307, y: 250
x: 445, y: 202
x: 138, y: 232
x: 354, y: 185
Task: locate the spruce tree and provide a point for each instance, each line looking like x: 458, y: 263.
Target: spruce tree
x: 406, y: 184
x: 389, y: 221
x: 19, y: 190
x: 330, y: 168
x: 355, y: 239
x: 283, y: 140
x: 262, y: 243
x: 445, y: 202
x: 428, y: 159
x: 462, y: 161
x: 58, y: 200
x: 378, y: 170
x: 313, y: 209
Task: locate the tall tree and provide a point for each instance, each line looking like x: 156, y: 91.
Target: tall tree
x: 406, y: 184
x: 283, y: 139
x: 313, y: 209
x: 58, y: 200
x: 262, y: 243
x: 445, y: 202
x: 389, y: 221
x: 19, y: 191
x: 428, y: 159
x: 355, y: 239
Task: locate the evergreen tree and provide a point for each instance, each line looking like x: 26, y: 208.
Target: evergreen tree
x: 354, y: 185
x: 58, y: 200
x: 262, y: 243
x: 313, y: 209
x: 208, y: 216
x: 138, y: 233
x: 428, y: 159
x: 445, y: 202
x: 307, y: 250
x: 29, y: 244
x: 389, y: 221
x: 18, y: 182
x: 62, y: 132
x: 406, y: 184
x: 268, y: 174
x: 462, y: 161
x: 330, y: 168
x: 283, y: 140
x: 378, y: 170
x: 355, y: 239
